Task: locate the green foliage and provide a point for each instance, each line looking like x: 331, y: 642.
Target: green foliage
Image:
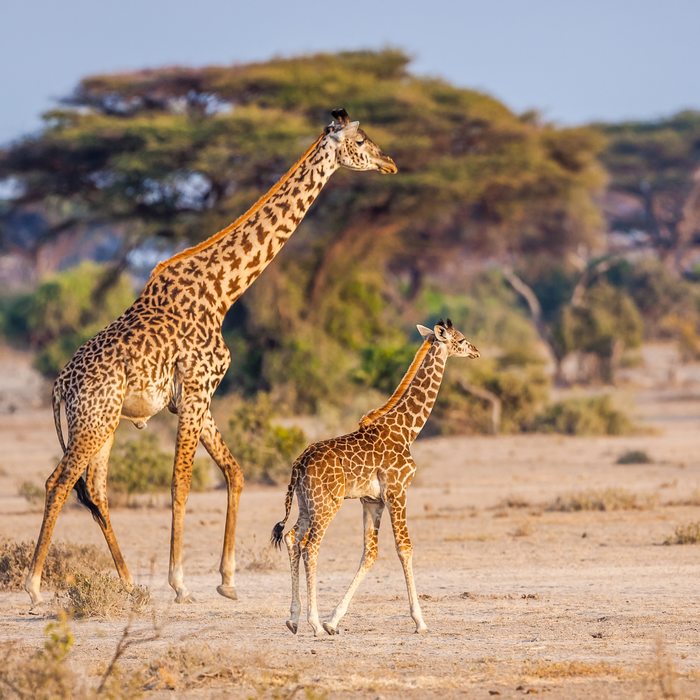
x: 605, y: 324
x: 511, y: 368
x: 62, y: 313
x: 140, y: 466
x: 584, y: 416
x: 521, y: 389
x: 383, y: 365
x: 265, y: 449
x: 660, y: 153
x: 656, y: 292
x: 132, y: 154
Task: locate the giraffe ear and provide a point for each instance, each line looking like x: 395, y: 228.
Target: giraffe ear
x: 442, y: 333
x: 351, y: 128
x: 425, y: 332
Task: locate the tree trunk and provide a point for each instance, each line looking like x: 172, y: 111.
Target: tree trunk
x: 491, y: 398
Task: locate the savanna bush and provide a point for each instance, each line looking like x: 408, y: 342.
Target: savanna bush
x: 62, y: 313
x: 63, y: 562
x: 264, y: 448
x: 141, y: 466
x: 103, y: 596
x: 595, y: 415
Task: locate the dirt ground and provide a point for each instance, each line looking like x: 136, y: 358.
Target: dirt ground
x: 518, y: 599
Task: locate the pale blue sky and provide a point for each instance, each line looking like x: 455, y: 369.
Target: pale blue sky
x: 573, y: 60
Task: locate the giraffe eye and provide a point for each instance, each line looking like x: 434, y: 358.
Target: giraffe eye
x: 359, y: 142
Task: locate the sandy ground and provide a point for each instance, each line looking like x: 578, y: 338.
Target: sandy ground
x: 519, y: 600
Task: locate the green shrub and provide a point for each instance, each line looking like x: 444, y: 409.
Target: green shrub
x: 605, y: 324
x: 584, y: 416
x: 383, y: 365
x: 264, y: 449
x: 140, y: 466
x: 634, y: 457
x: 62, y: 313
x: 522, y: 390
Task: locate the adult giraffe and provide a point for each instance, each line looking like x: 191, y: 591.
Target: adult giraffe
x: 166, y: 349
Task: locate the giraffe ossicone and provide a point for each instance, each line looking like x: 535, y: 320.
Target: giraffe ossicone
x: 166, y: 349
x: 373, y: 464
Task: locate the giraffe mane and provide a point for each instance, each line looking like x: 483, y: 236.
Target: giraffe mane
x: 187, y: 252
x: 400, y: 390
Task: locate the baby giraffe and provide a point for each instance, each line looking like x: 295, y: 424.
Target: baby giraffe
x: 373, y: 464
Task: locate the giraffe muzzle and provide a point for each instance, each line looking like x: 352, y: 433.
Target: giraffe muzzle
x: 387, y: 166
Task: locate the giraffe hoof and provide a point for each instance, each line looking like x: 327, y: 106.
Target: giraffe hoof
x: 422, y: 630
x: 292, y: 626
x: 329, y: 629
x: 184, y: 598
x: 227, y: 592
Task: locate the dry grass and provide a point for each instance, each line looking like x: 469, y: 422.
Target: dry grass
x: 572, y: 669
x: 44, y: 674
x: 62, y: 564
x: 603, y: 500
x: 32, y: 493
x: 692, y: 499
x: 685, y: 534
x: 514, y: 502
x: 523, y: 530
x: 634, y: 457
x: 663, y: 674
x: 257, y: 557
x: 185, y: 668
x: 103, y: 596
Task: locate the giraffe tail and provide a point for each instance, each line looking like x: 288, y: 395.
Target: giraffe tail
x: 56, y: 399
x: 278, y: 530
x: 80, y: 485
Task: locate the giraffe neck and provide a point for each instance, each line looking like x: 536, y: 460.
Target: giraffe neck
x: 413, y: 409
x: 216, y: 272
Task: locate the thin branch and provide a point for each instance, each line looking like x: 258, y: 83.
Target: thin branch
x: 495, y: 401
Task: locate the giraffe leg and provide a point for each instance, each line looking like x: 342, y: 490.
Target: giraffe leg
x: 372, y: 516
x: 404, y: 548
x: 189, y: 428
x: 292, y: 539
x: 58, y: 486
x: 309, y: 551
x: 96, y: 480
x: 216, y: 447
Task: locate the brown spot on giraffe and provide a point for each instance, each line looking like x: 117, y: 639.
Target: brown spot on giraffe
x: 154, y: 356
x: 373, y: 464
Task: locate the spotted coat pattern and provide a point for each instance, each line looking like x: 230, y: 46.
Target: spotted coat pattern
x: 167, y: 350
x: 373, y: 464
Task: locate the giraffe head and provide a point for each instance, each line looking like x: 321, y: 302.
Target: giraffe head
x: 356, y: 150
x: 445, y: 333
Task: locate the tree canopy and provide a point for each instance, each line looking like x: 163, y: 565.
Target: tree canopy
x: 179, y: 152
x: 174, y: 154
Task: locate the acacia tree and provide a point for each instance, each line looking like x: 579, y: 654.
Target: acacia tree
x: 658, y: 164
x: 173, y: 154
